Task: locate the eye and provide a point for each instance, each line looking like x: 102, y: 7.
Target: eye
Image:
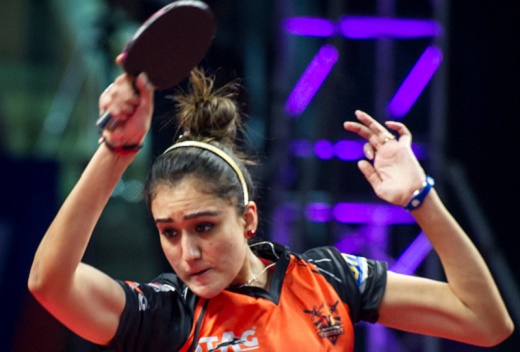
x: 204, y: 227
x: 168, y: 233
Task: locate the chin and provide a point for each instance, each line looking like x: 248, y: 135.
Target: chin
x: 206, y: 292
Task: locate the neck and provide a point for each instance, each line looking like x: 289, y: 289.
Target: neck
x: 255, y: 272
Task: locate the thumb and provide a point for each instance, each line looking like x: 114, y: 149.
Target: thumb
x: 367, y: 169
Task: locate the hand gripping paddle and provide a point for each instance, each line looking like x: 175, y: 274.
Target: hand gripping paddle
x: 167, y: 46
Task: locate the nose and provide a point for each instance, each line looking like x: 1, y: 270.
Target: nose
x: 190, y: 247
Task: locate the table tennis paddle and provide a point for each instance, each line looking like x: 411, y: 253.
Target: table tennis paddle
x: 167, y: 46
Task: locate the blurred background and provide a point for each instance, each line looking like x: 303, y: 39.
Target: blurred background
x: 447, y: 69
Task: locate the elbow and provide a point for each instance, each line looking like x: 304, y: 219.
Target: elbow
x: 502, y: 332
x: 35, y: 284
x: 39, y: 285
x: 495, y: 333
x: 37, y: 281
x: 49, y: 285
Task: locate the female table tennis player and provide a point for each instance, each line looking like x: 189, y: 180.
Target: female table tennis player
x: 224, y: 292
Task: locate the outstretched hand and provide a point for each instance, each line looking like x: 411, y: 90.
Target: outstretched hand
x: 392, y: 169
x: 131, y: 107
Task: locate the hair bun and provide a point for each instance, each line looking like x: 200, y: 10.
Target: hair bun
x: 208, y: 113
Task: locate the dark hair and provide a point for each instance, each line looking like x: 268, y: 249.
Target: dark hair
x: 209, y: 115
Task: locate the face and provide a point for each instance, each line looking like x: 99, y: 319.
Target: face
x: 202, y: 236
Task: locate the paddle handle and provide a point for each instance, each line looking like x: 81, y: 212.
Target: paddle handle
x: 106, y: 122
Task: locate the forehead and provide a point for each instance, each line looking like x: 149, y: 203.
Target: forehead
x: 188, y: 195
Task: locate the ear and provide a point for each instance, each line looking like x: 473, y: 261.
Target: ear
x: 250, y: 218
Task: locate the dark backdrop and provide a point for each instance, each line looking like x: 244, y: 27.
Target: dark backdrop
x: 483, y: 116
x: 484, y: 96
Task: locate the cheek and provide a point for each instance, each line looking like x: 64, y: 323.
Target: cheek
x: 171, y: 252
x: 232, y: 254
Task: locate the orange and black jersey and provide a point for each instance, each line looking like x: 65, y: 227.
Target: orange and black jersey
x: 312, y: 303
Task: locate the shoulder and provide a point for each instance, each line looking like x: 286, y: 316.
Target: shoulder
x: 144, y: 292
x: 359, y: 281
x: 154, y: 312
x: 331, y: 264
x: 360, y: 268
x: 330, y: 260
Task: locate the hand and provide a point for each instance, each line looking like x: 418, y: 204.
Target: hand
x: 131, y: 107
x: 395, y: 172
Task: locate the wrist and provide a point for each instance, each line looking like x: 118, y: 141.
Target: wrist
x: 124, y: 149
x: 418, y: 196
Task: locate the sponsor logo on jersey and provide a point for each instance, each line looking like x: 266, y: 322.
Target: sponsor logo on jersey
x: 229, y: 342
x: 359, y: 268
x: 141, y: 298
x: 327, y: 321
x: 159, y: 287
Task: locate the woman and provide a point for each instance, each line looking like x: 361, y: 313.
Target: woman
x: 227, y: 293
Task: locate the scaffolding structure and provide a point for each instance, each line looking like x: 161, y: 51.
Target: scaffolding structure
x: 332, y: 59
x: 384, y: 57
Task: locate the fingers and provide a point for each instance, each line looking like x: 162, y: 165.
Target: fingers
x: 145, y: 88
x: 130, y: 106
x: 371, y: 130
x: 120, y: 58
x: 401, y: 129
x: 374, y: 132
x: 120, y: 99
x: 145, y: 108
x: 372, y: 125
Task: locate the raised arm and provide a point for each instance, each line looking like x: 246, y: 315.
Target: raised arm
x: 468, y: 307
x: 83, y: 298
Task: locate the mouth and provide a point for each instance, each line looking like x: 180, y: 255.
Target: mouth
x: 199, y: 274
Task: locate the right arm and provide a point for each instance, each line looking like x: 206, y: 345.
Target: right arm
x: 83, y: 298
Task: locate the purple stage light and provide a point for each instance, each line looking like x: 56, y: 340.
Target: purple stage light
x: 323, y: 149
x: 349, y: 150
x: 382, y: 214
x: 415, y: 82
x: 318, y: 212
x: 310, y: 26
x: 301, y: 148
x: 284, y: 216
x: 413, y: 256
x: 311, y: 80
x: 352, y: 243
x: 420, y: 151
x: 377, y: 27
x: 358, y: 213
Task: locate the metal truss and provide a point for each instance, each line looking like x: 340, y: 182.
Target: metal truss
x: 332, y: 59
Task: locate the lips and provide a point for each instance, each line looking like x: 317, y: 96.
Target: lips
x: 198, y: 273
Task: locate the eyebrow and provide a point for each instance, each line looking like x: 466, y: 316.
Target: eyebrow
x: 189, y: 216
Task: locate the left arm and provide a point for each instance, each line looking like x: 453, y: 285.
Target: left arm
x: 468, y: 307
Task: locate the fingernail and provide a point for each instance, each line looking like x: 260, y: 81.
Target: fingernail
x: 369, y: 154
x: 146, y: 81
